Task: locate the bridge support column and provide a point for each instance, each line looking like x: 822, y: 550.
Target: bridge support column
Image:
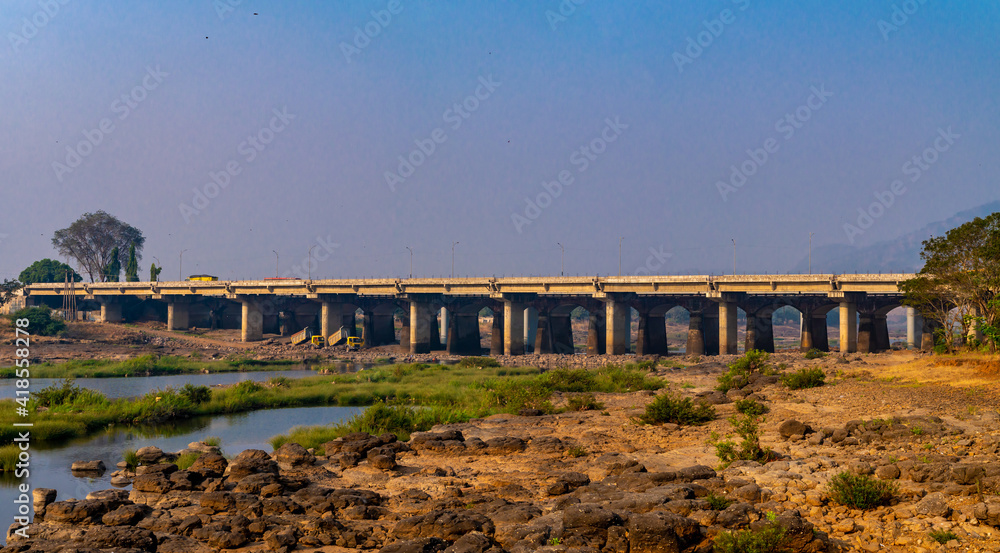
x: 111, y: 311
x: 914, y: 328
x: 652, y: 338
x: 463, y: 334
x: 404, y: 333
x: 696, y: 334
x: 252, y: 329
x: 882, y: 342
x: 383, y: 330
x: 543, y: 336
x: 821, y: 339
x: 727, y: 328
x: 513, y: 327
x: 760, y: 332
x: 496, y: 335
x: 435, y: 327
x: 368, y: 329
x: 530, y: 328
x: 617, y: 318
x: 848, y: 327
x: 866, y: 333
x: 562, y: 334
x: 445, y: 325
x: 178, y: 315
x: 927, y: 338
x: 596, y: 333
x: 331, y: 318
x: 421, y: 320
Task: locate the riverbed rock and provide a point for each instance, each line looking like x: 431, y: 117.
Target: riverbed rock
x: 209, y: 465
x: 250, y: 461
x: 88, y: 466
x: 292, y: 455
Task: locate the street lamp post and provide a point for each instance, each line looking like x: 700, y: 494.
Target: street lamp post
x: 310, y: 261
x: 453, y: 259
x: 276, y: 264
x: 411, y: 261
x: 811, y: 253
x: 620, y: 255
x: 180, y: 270
x: 562, y: 259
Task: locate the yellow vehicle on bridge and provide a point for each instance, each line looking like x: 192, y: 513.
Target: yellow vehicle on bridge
x: 203, y: 277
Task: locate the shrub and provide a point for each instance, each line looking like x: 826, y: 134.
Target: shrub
x: 279, y: 381
x: 195, y: 394
x: 740, y: 370
x: 942, y: 536
x: 478, y: 362
x: 65, y: 392
x: 185, y: 461
x: 749, y: 449
x: 814, y: 353
x: 769, y: 539
x: 804, y: 378
x: 677, y: 410
x: 247, y: 387
x: 750, y: 407
x: 584, y: 402
x: 860, y: 491
x: 718, y: 502
x: 576, y: 451
x: 130, y: 458
x: 40, y: 321
x: 212, y: 441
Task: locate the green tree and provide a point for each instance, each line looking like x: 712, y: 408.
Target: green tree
x: 7, y: 290
x: 132, y: 267
x: 91, y: 239
x: 154, y: 272
x: 960, y: 281
x: 113, y: 270
x: 47, y: 270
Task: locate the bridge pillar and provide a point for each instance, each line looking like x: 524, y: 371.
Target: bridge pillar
x: 818, y: 328
x: 435, y: 327
x: 404, y: 332
x: 866, y: 333
x: 596, y: 333
x: 368, y: 329
x: 848, y: 327
x: 252, y: 329
x: 727, y: 328
x: 513, y: 327
x: 543, y: 336
x: 617, y: 318
x: 530, y: 328
x: 463, y: 334
x: 422, y: 320
x: 331, y: 318
x: 696, y: 334
x: 882, y: 342
x: 652, y: 337
x: 760, y: 332
x: 562, y: 334
x: 914, y: 328
x: 496, y: 335
x: 927, y: 338
x: 178, y: 315
x: 383, y: 329
x: 111, y: 311
x: 445, y: 325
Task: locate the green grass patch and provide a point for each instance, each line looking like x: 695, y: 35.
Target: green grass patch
x: 131, y: 458
x: 677, y: 410
x: 942, y: 536
x: 750, y: 407
x: 185, y: 461
x: 583, y: 402
x: 814, y: 353
x: 804, y: 378
x: 769, y: 539
x: 478, y: 362
x: 212, y: 441
x: 740, y: 371
x: 861, y: 491
x: 8, y: 457
x: 718, y: 502
x: 146, y: 365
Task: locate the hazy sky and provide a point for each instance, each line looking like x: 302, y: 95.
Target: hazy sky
x: 364, y: 127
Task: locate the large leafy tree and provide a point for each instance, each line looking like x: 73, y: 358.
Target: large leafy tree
x: 960, y: 281
x: 48, y: 270
x: 7, y: 289
x: 91, y: 239
x: 113, y: 270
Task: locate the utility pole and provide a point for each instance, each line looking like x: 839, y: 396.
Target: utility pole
x: 453, y: 259
x: 734, y: 257
x: 180, y: 270
x: 275, y: 263
x: 411, y: 261
x: 562, y: 259
x: 620, y: 255
x: 310, y: 262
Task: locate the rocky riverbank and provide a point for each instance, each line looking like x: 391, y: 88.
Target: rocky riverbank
x: 583, y: 480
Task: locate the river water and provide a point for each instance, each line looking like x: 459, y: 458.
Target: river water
x: 50, y: 467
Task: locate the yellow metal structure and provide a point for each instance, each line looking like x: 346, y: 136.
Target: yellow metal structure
x: 355, y: 343
x: 318, y: 340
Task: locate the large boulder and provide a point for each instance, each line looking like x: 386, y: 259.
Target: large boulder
x: 291, y: 455
x: 447, y: 525
x: 250, y: 461
x: 209, y: 465
x: 658, y: 531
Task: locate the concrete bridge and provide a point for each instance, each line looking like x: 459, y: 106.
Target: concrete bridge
x: 532, y: 310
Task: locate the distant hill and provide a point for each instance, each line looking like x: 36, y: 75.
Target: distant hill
x: 901, y: 255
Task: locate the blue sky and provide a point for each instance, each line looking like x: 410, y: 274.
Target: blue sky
x: 643, y: 123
